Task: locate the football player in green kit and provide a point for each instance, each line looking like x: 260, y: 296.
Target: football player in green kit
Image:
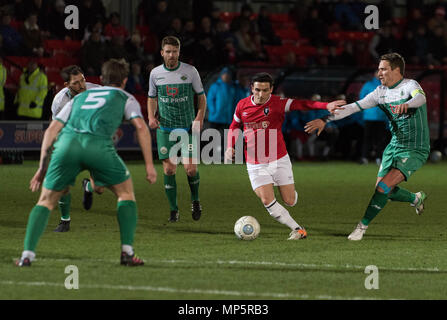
x: 84, y: 129
x: 404, y: 103
x: 172, y: 88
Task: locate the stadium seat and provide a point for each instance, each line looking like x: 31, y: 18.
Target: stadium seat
x: 280, y: 17
x: 228, y: 16
x: 93, y: 79
x: 71, y: 47
x: 288, y: 34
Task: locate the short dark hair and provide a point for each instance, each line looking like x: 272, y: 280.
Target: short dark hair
x: 395, y: 60
x: 67, y: 72
x: 170, y: 40
x: 114, y: 72
x: 262, y: 77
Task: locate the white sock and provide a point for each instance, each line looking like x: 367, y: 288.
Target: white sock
x: 279, y: 213
x: 127, y: 249
x: 28, y: 254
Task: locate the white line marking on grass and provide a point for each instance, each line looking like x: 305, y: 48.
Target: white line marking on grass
x: 261, y: 263
x: 188, y: 291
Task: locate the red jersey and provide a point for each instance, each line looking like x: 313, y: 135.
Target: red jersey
x: 262, y: 126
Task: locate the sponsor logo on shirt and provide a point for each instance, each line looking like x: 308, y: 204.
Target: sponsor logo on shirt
x: 257, y: 125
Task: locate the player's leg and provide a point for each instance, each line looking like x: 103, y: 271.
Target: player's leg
x: 378, y: 201
x: 193, y: 181
x: 164, y: 146
x: 64, y: 207
x: 190, y: 158
x: 37, y: 222
x: 127, y: 220
x: 88, y: 187
x: 170, y: 183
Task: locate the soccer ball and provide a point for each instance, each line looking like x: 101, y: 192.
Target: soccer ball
x: 435, y: 156
x: 247, y: 228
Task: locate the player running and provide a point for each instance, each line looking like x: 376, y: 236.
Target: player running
x: 404, y: 103
x: 172, y: 87
x: 88, y: 122
x: 261, y: 116
x: 74, y: 83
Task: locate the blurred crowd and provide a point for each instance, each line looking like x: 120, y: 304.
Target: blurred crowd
x: 211, y: 39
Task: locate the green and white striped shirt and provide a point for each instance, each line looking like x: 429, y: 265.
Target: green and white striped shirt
x: 410, y: 130
x: 175, y: 90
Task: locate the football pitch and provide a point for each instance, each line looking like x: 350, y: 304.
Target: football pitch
x: 203, y: 259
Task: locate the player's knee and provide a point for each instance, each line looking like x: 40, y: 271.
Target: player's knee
x: 291, y: 200
x: 169, y: 171
x: 99, y: 190
x: 191, y: 171
x: 382, y: 187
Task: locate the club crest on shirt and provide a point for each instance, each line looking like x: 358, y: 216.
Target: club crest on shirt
x: 266, y: 110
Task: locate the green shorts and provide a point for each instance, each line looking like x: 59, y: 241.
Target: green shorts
x: 405, y: 160
x: 74, y: 153
x: 180, y: 140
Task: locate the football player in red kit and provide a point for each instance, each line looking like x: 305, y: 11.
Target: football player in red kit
x: 261, y: 116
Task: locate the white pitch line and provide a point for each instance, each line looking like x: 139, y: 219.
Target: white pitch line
x: 188, y: 291
x: 262, y: 263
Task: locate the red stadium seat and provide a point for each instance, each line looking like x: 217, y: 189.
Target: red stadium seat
x: 228, y: 16
x: 279, y: 17
x: 288, y: 34
x: 71, y: 47
x: 93, y: 79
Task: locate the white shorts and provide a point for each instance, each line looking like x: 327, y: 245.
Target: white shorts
x: 278, y: 172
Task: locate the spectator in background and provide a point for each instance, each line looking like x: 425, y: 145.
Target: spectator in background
x: 160, y: 20
x: 438, y: 21
x: 415, y: 20
x: 315, y: 29
x: 348, y: 16
x: 97, y: 26
x: 265, y: 28
x: 93, y: 54
x: 32, y: 38
x: 215, y: 18
x: 247, y: 46
x: 375, y: 135
x: 116, y: 49
x: 201, y: 8
x: 134, y: 47
x: 136, y: 84
x: 221, y: 103
x: 56, y: 23
x: 245, y: 18
x: 114, y: 29
x: 176, y: 28
x: 349, y: 142
x: 12, y: 40
x: 437, y: 47
x: 90, y: 11
x: 188, y: 40
x: 384, y: 41
x: 242, y: 84
x: 229, y: 54
x: 33, y: 88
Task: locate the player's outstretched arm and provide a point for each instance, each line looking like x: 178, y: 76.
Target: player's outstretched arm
x: 145, y: 142
x: 333, y: 106
x: 49, y: 138
x: 317, y: 124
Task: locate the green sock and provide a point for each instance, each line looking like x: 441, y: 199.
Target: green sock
x: 194, y: 186
x: 402, y: 195
x: 37, y: 222
x: 64, y: 206
x: 171, y: 191
x: 127, y: 221
x: 377, y: 203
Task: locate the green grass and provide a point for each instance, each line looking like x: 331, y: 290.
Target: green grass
x: 204, y: 260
